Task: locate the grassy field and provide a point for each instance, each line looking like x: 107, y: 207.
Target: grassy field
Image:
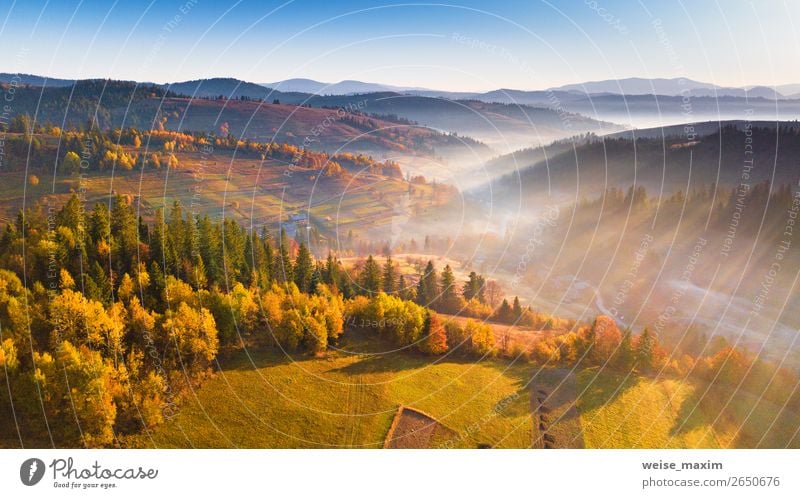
x: 643, y: 412
x: 349, y: 399
x: 266, y: 400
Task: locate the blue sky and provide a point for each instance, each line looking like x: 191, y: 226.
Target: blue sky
x: 465, y: 45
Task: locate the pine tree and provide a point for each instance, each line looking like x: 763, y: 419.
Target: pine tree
x: 624, y: 357
x: 331, y: 273
x: 100, y: 224
x: 646, y: 347
x: 516, y: 309
x: 422, y: 291
x: 249, y: 258
x: 428, y: 287
x: 481, y: 289
x: 471, y: 289
x: 103, y: 283
x: 265, y: 266
x: 303, y: 268
x: 157, y: 286
x: 283, y: 271
x: 316, y: 278
x: 234, y: 238
x: 448, y: 301
x: 504, y: 313
x: 389, y: 276
x: 144, y: 230
x: 254, y: 257
x: 124, y: 232
x: 371, y: 277
x: 404, y: 291
x: 210, y: 239
x: 71, y: 215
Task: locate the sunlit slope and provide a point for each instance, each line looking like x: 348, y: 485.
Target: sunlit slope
x: 641, y: 412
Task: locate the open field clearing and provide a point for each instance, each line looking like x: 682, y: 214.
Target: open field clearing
x: 350, y: 398
x: 266, y: 400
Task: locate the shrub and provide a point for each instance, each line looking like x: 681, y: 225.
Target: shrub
x: 481, y: 337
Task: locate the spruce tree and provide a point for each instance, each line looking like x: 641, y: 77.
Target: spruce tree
x: 283, y: 271
x: 471, y: 288
x: 481, y: 289
x: 624, y: 357
x: 448, y: 301
x: 389, y: 276
x: 428, y: 288
x: 265, y: 268
x: 125, y: 234
x: 316, y: 278
x: 303, y: 268
x: 516, y: 310
x: 504, y: 313
x: 371, y: 277
x: 405, y: 291
x: 646, y: 346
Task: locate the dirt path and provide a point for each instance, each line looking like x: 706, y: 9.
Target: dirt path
x: 556, y: 421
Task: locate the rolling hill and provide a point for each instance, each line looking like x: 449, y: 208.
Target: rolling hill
x: 240, y: 186
x: 658, y: 159
x: 113, y: 104
x: 504, y: 127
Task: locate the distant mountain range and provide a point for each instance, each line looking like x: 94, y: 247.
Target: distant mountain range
x: 34, y: 80
x: 669, y: 87
x: 341, y: 88
x: 625, y: 86
x: 504, y: 119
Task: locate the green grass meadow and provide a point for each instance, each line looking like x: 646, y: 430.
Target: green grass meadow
x: 267, y: 400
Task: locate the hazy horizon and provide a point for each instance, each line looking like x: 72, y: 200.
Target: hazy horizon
x: 404, y: 87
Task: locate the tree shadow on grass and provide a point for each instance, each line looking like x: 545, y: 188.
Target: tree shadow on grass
x: 693, y: 410
x: 557, y: 389
x: 261, y: 358
x: 750, y: 416
x: 382, y: 364
x: 398, y: 362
